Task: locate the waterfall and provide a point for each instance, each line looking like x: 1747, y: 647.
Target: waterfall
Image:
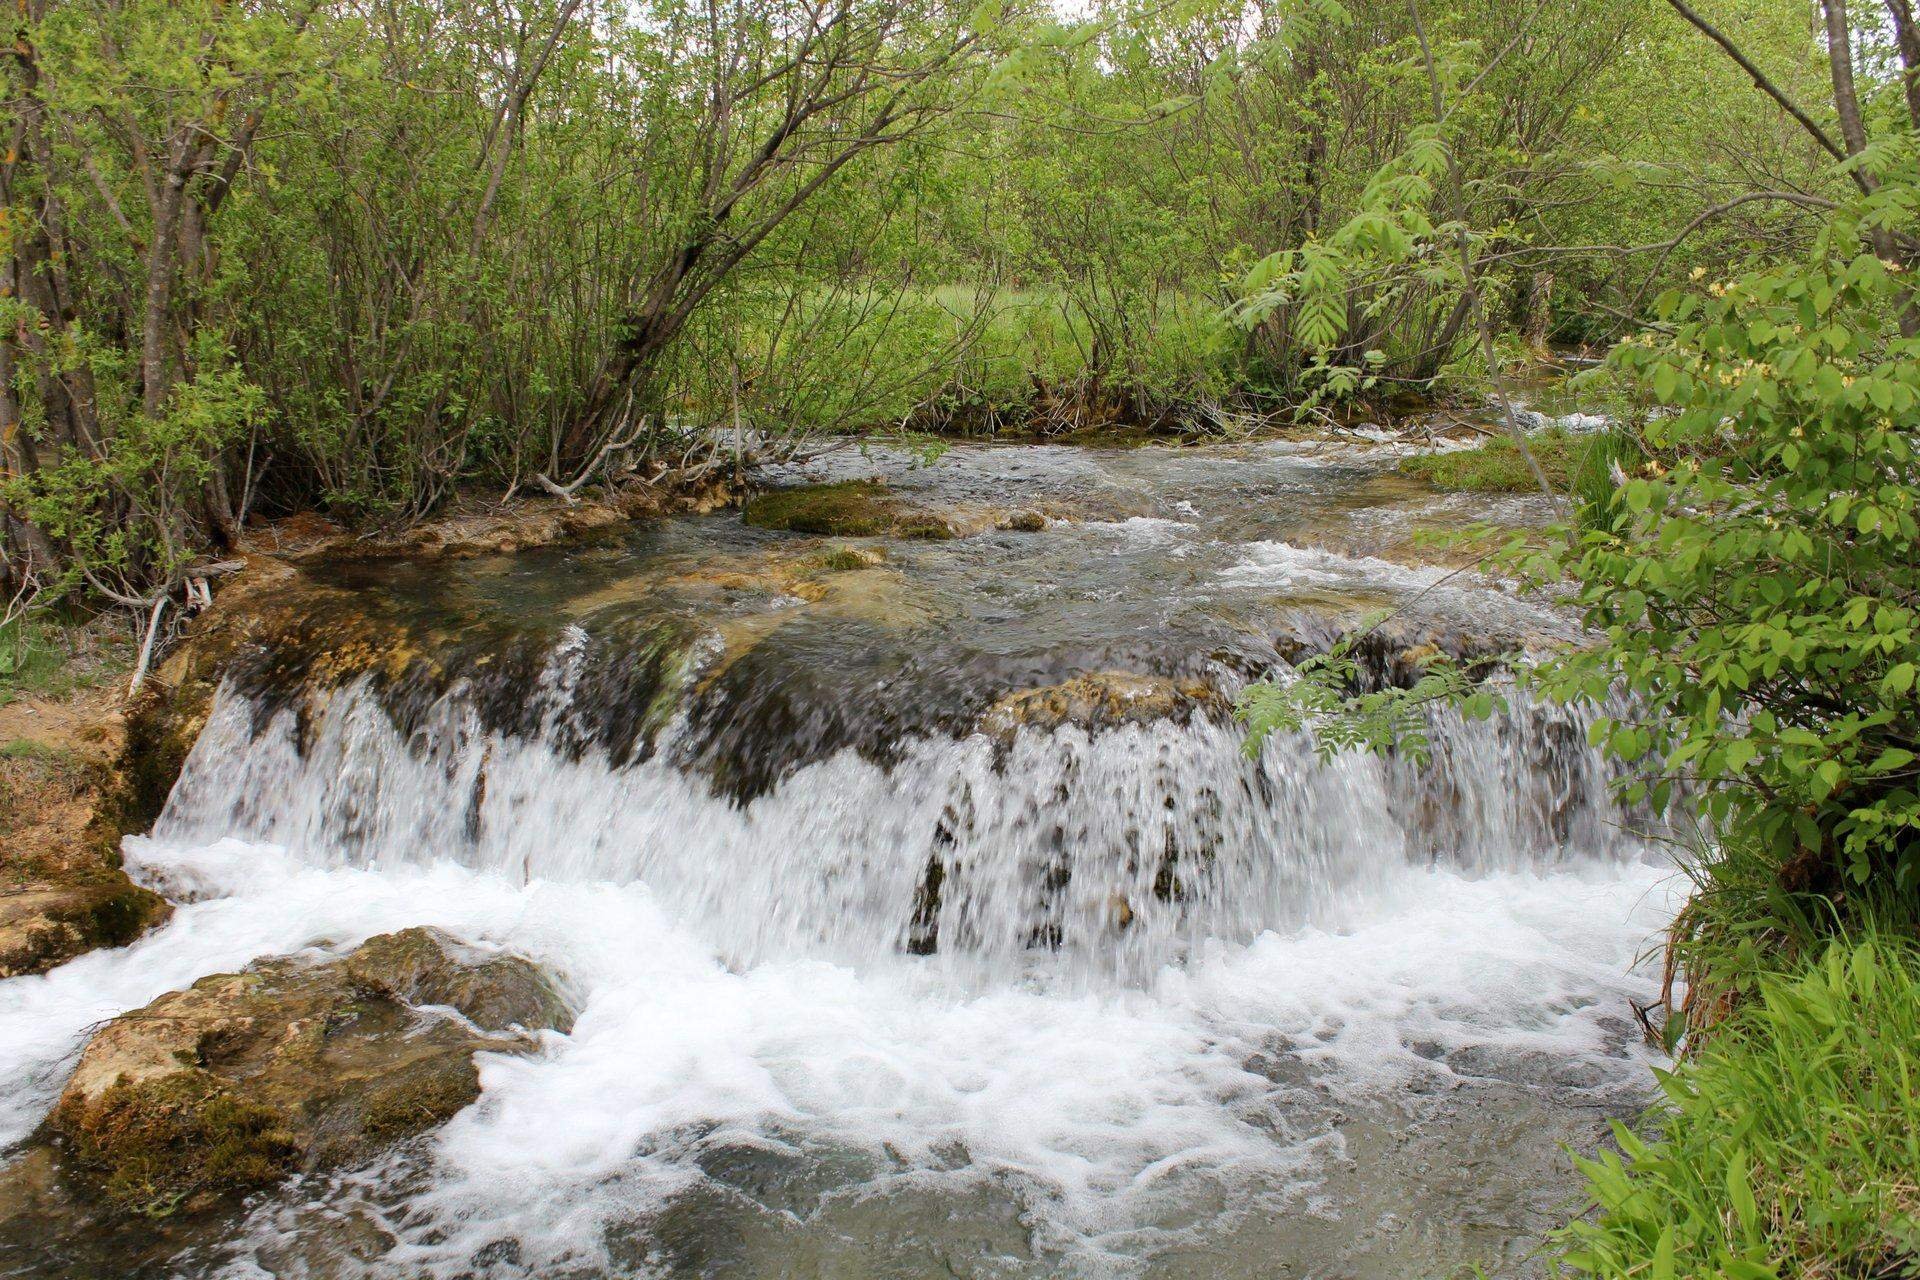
x: 1120, y: 847
x: 930, y: 918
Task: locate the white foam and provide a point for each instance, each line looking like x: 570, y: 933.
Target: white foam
x: 1282, y: 564
x: 1144, y: 530
x: 1095, y: 1105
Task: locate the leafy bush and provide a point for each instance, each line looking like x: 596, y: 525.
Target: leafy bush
x: 1758, y: 594
x: 1755, y: 587
x: 126, y: 507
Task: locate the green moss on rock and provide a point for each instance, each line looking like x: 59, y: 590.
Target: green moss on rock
x: 846, y: 508
x: 291, y: 1066
x: 157, y: 1142
x: 46, y: 925
x: 844, y: 559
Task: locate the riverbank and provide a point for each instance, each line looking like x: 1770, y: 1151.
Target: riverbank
x: 63, y: 891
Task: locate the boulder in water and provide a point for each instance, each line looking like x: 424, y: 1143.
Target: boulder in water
x: 292, y: 1065
x: 43, y: 925
x: 1021, y: 522
x: 844, y: 509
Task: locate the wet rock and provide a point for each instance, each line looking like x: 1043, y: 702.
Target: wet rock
x: 291, y: 1065
x: 845, y: 509
x: 1395, y: 650
x: 1022, y: 522
x: 46, y: 924
x: 1100, y: 700
x: 62, y: 892
x: 844, y: 558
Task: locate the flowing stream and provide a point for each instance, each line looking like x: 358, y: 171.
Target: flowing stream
x: 899, y: 953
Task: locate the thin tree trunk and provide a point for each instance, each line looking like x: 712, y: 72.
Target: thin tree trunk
x: 1853, y: 130
x: 159, y: 297
x: 1846, y: 102
x: 1906, y: 38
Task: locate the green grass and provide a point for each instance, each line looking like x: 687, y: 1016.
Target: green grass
x: 1789, y: 1147
x: 1580, y: 465
x: 27, y: 749
x: 1498, y: 466
x: 40, y: 658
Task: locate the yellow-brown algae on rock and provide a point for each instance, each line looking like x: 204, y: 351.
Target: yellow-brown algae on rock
x: 62, y: 889
x: 47, y: 924
x: 292, y: 1065
x: 1100, y: 700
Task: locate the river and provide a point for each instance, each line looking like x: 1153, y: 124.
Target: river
x: 929, y: 917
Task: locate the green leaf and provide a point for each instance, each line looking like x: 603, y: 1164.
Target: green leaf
x: 1740, y: 1193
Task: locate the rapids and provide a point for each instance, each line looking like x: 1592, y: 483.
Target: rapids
x: 887, y: 966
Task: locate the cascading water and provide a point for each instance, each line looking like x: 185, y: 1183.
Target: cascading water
x: 1122, y: 848
x: 907, y: 937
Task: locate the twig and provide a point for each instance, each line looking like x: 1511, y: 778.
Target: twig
x: 565, y: 492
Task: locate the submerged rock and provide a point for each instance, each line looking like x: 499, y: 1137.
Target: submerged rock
x: 484, y: 528
x: 843, y: 558
x: 292, y: 1065
x: 869, y: 509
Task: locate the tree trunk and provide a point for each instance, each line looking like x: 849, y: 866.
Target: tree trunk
x: 1846, y: 102
x: 156, y: 309
x: 1906, y: 38
x: 1540, y: 311
x: 1853, y: 131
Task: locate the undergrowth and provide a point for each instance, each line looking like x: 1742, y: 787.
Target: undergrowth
x: 43, y: 658
x: 1787, y: 1144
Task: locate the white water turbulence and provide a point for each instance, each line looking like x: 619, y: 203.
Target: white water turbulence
x: 1115, y: 852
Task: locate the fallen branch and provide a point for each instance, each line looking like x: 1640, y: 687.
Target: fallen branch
x: 146, y: 646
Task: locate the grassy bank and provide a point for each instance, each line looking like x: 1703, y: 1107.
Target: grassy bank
x: 44, y: 658
x: 1787, y: 1145
x: 1581, y: 465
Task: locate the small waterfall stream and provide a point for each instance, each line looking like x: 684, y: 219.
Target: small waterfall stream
x: 1122, y: 848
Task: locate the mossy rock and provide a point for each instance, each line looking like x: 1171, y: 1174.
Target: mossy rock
x: 843, y: 509
x: 1021, y: 522
x: 292, y: 1066
x: 845, y: 559
x: 46, y: 925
